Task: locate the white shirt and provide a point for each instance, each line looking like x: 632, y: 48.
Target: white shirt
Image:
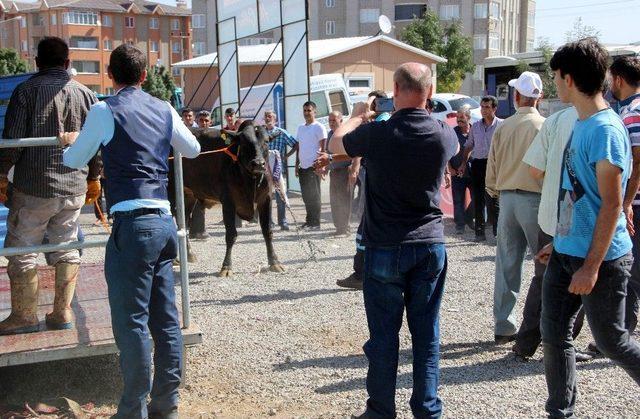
x: 309, y: 138
x: 545, y: 153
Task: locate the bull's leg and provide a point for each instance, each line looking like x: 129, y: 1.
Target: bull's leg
x: 231, y: 233
x: 264, y: 211
x: 189, y: 204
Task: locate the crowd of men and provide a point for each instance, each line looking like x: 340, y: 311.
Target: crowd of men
x: 566, y: 189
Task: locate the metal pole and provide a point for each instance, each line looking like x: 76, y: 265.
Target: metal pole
x: 182, y: 241
x: 29, y: 142
x: 46, y: 248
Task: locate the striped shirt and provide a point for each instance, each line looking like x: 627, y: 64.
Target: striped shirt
x: 480, y: 136
x: 43, y: 106
x: 630, y: 114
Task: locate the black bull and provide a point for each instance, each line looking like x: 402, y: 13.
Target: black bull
x: 237, y: 178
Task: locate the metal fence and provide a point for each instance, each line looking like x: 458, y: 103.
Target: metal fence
x: 180, y: 217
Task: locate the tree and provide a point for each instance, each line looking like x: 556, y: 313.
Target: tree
x: 159, y: 83
x: 445, y: 40
x: 580, y: 31
x: 546, y: 74
x: 11, y: 63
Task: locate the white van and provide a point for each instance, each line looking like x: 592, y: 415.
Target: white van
x: 328, y: 91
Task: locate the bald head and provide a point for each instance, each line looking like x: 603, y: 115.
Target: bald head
x: 412, y: 85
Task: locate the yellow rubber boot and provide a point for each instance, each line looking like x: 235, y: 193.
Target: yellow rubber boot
x: 24, y: 304
x: 62, y: 315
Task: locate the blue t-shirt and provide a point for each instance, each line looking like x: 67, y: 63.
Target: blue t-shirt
x: 602, y: 136
x: 406, y: 157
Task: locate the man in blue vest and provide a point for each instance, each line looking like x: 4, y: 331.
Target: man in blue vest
x: 135, y: 133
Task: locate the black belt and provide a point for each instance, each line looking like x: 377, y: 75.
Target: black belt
x: 138, y: 212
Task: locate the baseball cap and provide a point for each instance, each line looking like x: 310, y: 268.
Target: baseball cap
x: 528, y: 84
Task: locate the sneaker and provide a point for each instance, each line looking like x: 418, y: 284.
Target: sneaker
x: 353, y: 281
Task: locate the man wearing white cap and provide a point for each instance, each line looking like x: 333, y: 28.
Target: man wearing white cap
x: 519, y: 195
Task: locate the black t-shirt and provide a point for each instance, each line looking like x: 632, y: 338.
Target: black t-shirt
x: 406, y: 157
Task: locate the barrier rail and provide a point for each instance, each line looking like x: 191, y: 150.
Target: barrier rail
x: 180, y: 217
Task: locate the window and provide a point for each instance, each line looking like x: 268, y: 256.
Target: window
x: 438, y: 106
x: 175, y: 71
x: 129, y: 22
x: 494, y: 41
x: 176, y: 47
x: 4, y: 34
x: 358, y: 84
x: 23, y: 22
x: 449, y: 12
x: 153, y: 46
x: 95, y: 88
x: 54, y: 19
x: 92, y: 67
x: 495, y: 10
x: 529, y: 45
x: 338, y: 102
x: 330, y: 3
x: 531, y: 19
x: 369, y: 15
x: 410, y: 11
x: 24, y: 46
x: 199, y: 48
x: 106, y: 21
x: 107, y: 45
x: 175, y: 24
x: 84, y: 42
x: 37, y: 19
x: 479, y: 42
x: 106, y: 69
x: 458, y: 103
x: 478, y: 74
x: 322, y: 107
x: 480, y: 11
x: 330, y: 27
x: 198, y: 21
x: 154, y: 23
x: 79, y: 18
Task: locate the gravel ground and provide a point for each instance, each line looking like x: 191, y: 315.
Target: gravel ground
x: 290, y: 345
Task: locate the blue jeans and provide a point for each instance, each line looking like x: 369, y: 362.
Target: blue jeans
x: 139, y: 273
x: 282, y: 210
x: 411, y: 276
x: 605, y: 310
x: 461, y: 215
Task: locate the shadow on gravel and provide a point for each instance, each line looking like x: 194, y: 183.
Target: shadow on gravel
x: 502, y: 369
x: 282, y: 295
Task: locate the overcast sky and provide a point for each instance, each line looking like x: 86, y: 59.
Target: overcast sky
x: 617, y: 21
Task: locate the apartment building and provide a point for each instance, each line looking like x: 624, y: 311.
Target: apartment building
x: 497, y: 27
x: 93, y: 28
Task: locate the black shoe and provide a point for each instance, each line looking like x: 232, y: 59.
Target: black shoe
x: 520, y: 355
x: 353, y: 281
x: 284, y: 227
x: 481, y: 238
x: 584, y: 356
x: 313, y: 228
x: 199, y: 236
x: 592, y: 347
x: 503, y: 340
x: 459, y: 229
x: 168, y: 414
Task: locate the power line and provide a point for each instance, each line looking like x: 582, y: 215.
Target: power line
x: 585, y: 5
x: 608, y: 13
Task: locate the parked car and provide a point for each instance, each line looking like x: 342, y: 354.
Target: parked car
x: 446, y: 105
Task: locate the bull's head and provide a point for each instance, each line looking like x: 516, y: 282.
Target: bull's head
x: 251, y: 147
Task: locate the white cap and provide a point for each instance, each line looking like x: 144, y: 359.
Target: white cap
x: 528, y: 84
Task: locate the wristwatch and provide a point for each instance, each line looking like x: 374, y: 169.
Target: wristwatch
x: 330, y: 157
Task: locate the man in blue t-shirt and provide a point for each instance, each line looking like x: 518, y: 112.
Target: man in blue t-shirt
x: 405, y: 258
x: 591, y: 260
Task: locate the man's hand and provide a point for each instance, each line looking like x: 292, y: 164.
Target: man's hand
x: 4, y: 185
x: 322, y: 160
x: 543, y: 255
x: 67, y: 138
x: 353, y: 175
x: 321, y: 172
x: 447, y: 180
x: 297, y: 171
x: 93, y: 192
x: 628, y: 213
x: 583, y: 281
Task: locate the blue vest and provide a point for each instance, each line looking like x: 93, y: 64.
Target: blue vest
x: 136, y: 159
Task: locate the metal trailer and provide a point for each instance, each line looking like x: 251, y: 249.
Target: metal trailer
x: 92, y: 334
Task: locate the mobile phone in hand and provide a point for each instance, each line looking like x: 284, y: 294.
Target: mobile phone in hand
x: 384, y: 104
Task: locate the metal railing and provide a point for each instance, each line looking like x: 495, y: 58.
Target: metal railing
x: 182, y: 235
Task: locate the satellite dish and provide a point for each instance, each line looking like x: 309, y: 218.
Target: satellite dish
x: 384, y: 24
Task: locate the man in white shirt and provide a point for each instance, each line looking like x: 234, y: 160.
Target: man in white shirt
x: 311, y: 138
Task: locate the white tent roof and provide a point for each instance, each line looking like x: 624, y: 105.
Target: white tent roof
x: 318, y: 49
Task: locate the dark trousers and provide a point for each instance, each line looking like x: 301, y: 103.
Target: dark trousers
x: 139, y: 274
x: 461, y: 215
x: 196, y: 219
x: 341, y: 197
x: 605, y: 311
x: 633, y: 291
x: 481, y: 199
x: 407, y: 276
x: 310, y: 188
x: 358, y: 259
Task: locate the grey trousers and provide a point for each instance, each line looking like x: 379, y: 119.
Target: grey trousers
x: 517, y: 229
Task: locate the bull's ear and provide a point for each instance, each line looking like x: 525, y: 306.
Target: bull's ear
x: 228, y: 136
